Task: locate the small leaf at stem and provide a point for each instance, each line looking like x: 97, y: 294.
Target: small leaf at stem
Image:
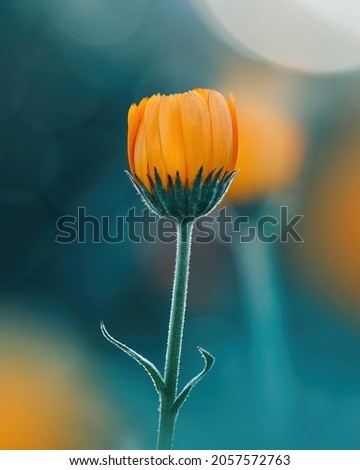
x: 147, y: 365
x: 209, y: 362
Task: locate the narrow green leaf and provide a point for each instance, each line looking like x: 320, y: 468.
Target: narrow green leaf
x: 209, y: 362
x: 147, y: 365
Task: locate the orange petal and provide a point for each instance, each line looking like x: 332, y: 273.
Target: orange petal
x: 140, y: 156
x: 135, y: 115
x: 222, y: 131
x: 171, y: 136
x: 133, y: 125
x: 232, y: 108
x: 197, y: 134
x: 142, y: 106
x: 203, y: 92
x: 152, y: 134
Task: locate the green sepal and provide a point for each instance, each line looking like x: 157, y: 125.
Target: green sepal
x: 143, y: 192
x: 222, y: 188
x: 180, y: 196
x: 145, y: 363
x: 180, y: 200
x: 205, y: 192
x: 183, y: 395
x: 174, y: 203
x: 160, y: 194
x: 212, y: 192
x: 195, y: 193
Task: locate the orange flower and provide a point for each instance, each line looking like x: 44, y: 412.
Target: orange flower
x: 180, y: 134
x: 182, y: 151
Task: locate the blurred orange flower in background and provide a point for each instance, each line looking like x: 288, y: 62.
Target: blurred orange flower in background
x: 330, y: 258
x: 47, y: 401
x: 270, y: 153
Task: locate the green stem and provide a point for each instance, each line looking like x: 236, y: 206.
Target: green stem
x: 167, y: 415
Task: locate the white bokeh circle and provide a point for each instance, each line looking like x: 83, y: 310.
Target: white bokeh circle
x: 306, y: 35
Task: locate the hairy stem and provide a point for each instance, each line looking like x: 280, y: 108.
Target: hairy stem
x: 167, y: 415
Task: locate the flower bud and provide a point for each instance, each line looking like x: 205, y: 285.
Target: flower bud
x: 182, y: 151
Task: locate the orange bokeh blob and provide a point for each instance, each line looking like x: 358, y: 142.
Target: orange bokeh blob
x: 45, y: 402
x: 271, y: 147
x: 330, y: 257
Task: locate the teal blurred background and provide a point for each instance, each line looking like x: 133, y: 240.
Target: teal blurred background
x: 281, y: 319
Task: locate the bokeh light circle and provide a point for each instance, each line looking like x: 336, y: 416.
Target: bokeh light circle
x: 96, y: 22
x: 54, y: 98
x: 299, y: 34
